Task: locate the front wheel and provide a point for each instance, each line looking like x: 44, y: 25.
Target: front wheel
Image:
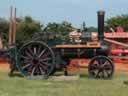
x: 101, y: 67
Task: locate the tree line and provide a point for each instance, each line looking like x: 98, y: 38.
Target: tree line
x: 27, y: 26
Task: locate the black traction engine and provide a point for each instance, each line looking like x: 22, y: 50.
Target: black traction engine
x: 47, y: 53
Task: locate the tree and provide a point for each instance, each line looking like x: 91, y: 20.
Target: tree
x: 92, y: 29
x: 26, y: 27
x: 4, y: 26
x: 60, y: 28
x: 51, y: 27
x: 66, y: 27
x: 114, y: 22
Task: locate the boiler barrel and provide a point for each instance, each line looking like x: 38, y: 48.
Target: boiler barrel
x: 85, y: 52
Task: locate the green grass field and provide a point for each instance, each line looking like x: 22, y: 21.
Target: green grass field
x: 18, y: 86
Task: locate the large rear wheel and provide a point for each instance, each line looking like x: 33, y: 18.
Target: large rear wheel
x: 35, y: 59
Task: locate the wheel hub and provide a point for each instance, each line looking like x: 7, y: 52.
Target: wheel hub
x: 100, y: 67
x: 35, y: 61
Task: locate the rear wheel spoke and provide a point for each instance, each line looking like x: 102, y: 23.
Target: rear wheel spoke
x: 43, y: 67
x: 39, y: 49
x: 35, y: 51
x: 45, y: 59
x: 42, y: 52
x: 28, y: 54
x: 38, y: 70
x: 45, y: 63
x: 41, y: 70
x: 30, y: 50
x: 33, y: 70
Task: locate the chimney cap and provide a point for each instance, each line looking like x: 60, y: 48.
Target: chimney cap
x: 101, y: 12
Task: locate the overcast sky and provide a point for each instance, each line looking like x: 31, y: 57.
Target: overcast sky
x: 74, y: 11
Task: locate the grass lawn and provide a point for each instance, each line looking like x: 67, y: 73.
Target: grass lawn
x: 18, y: 86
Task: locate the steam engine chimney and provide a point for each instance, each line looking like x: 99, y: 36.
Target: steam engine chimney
x: 100, y: 15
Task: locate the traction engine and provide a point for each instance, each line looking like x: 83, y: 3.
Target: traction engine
x: 47, y: 53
